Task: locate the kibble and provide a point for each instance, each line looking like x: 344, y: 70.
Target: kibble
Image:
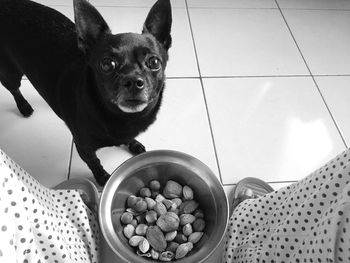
x: 154, y: 185
x: 141, y: 229
x: 126, y: 218
x: 162, y: 223
x: 145, y: 192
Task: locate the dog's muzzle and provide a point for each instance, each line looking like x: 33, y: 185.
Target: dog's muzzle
x: 132, y: 105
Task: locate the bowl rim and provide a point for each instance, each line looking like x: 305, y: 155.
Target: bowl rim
x: 171, y: 156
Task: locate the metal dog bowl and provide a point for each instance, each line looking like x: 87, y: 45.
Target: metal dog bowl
x: 164, y: 165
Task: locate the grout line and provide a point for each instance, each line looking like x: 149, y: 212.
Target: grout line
x: 331, y: 75
x: 251, y: 76
x: 203, y: 92
x: 254, y: 76
x: 182, y: 77
x: 233, y: 8
x: 333, y: 118
x: 70, y: 159
x: 315, y: 9
x: 116, y: 6
x: 260, y: 76
x: 313, y: 77
x: 273, y: 182
x: 268, y: 8
x: 274, y: 76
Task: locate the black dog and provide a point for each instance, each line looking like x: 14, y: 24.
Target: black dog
x: 107, y: 88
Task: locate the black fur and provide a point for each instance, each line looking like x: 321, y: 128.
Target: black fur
x: 107, y: 88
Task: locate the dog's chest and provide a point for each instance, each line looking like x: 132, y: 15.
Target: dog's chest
x: 108, y: 133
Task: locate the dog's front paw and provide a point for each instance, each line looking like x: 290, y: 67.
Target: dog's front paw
x: 136, y: 147
x: 102, y: 179
x: 25, y: 109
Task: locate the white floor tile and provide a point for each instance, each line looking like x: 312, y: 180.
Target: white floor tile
x: 244, y: 42
x: 66, y: 10
x: 181, y: 125
x: 41, y: 143
x: 323, y: 37
x: 55, y: 2
x: 336, y: 93
x: 232, y: 4
x: 182, y: 60
x: 276, y: 129
x: 315, y: 4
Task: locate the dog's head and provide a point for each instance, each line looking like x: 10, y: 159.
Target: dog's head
x: 128, y: 67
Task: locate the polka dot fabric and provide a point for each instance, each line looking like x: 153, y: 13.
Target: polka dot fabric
x: 305, y: 222
x: 43, y: 225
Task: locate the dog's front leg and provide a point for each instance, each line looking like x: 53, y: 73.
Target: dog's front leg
x: 135, y: 147
x: 90, y: 158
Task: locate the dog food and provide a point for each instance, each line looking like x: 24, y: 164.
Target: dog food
x: 163, y: 225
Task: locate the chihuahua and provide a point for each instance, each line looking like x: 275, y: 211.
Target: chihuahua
x: 106, y: 87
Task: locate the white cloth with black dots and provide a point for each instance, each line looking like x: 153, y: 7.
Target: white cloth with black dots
x: 40, y: 224
x: 308, y: 221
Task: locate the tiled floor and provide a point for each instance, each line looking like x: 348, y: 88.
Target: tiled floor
x: 255, y: 88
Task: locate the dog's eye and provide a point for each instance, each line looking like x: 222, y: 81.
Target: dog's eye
x: 107, y: 65
x: 153, y: 63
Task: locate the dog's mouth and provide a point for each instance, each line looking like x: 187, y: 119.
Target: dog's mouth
x: 131, y: 105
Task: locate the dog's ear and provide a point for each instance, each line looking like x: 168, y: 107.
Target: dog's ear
x: 89, y: 24
x: 158, y: 22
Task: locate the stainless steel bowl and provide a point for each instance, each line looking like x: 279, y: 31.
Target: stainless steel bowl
x: 164, y: 165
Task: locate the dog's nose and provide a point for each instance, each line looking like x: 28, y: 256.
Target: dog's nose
x: 130, y: 82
